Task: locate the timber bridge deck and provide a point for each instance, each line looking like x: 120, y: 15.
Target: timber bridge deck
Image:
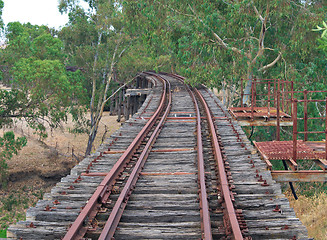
x: 180, y: 168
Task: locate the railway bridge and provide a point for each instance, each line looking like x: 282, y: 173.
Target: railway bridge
x: 180, y: 168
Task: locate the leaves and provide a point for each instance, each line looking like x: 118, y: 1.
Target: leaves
x: 9, y: 145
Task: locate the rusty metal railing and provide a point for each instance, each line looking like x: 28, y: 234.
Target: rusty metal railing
x: 295, y: 119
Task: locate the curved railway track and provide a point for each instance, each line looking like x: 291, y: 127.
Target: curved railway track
x: 180, y: 168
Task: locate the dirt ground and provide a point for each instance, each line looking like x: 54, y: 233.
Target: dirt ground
x: 40, y: 165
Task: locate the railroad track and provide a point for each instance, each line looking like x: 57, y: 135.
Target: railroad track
x: 180, y: 168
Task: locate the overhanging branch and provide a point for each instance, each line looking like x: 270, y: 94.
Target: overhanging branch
x: 271, y: 64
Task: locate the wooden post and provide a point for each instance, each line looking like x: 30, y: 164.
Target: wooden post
x: 111, y: 104
x: 133, y: 105
x: 116, y: 104
x: 127, y: 107
x: 119, y: 106
x: 305, y: 110
x: 294, y: 116
x: 137, y: 82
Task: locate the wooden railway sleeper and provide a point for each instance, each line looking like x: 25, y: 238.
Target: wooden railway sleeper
x: 77, y: 231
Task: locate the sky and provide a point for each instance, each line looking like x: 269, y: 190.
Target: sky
x: 37, y: 12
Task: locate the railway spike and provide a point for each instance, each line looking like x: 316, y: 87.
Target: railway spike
x: 31, y: 225
x: 47, y: 208
x: 265, y: 184
x: 285, y: 227
x: 277, y: 209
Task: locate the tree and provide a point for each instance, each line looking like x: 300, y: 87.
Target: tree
x: 217, y: 42
x: 9, y: 145
x: 99, y: 55
x: 323, y: 38
x: 43, y: 93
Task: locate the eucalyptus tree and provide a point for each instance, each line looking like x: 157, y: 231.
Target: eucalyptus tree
x: 42, y: 92
x: 219, y: 42
x: 106, y: 41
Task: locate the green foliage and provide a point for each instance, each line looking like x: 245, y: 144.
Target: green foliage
x: 43, y: 92
x: 48, y: 89
x: 47, y: 47
x: 9, y: 145
x: 26, y: 40
x: 323, y: 39
x: 1, y: 8
x: 11, y: 208
x: 3, y: 233
x: 185, y: 30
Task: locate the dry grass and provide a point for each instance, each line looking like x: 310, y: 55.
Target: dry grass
x: 40, y: 165
x: 54, y: 154
x: 312, y: 212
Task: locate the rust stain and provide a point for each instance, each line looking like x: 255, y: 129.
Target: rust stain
x: 173, y: 150
x: 166, y: 173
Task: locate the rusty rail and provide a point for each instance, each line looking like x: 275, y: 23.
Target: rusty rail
x: 204, y: 205
x: 229, y: 210
x: 117, y: 211
x: 103, y: 191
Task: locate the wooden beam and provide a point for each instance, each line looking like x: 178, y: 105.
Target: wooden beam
x: 299, y: 176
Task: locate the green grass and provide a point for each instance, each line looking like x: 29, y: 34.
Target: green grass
x: 3, y: 233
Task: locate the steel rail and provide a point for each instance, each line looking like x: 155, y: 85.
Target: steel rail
x: 118, y: 209
x: 204, y: 205
x: 229, y: 209
x: 101, y: 194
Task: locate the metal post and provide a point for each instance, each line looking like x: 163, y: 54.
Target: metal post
x: 292, y: 93
x: 305, y: 110
x: 255, y: 92
x: 278, y: 114
x: 283, y: 95
x: 275, y: 93
x: 326, y: 131
x: 252, y: 100
x: 269, y: 100
x: 294, y: 116
x: 242, y: 94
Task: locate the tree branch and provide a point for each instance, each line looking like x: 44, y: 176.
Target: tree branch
x: 262, y: 33
x: 221, y: 42
x: 112, y: 95
x: 271, y: 64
